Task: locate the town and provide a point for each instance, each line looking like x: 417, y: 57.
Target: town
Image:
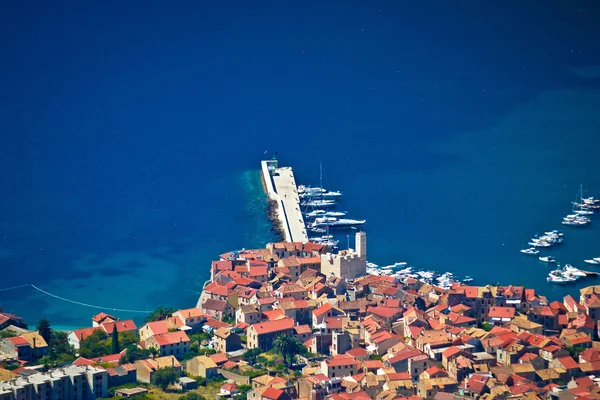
x: 295, y: 321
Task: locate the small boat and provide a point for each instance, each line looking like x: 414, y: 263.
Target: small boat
x: 559, y: 278
x: 576, y: 273
x: 592, y: 261
x: 547, y: 259
x: 531, y: 251
x: 318, y: 203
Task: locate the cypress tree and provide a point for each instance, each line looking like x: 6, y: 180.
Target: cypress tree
x: 115, y: 340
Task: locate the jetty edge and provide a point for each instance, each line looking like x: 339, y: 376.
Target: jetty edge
x: 280, y: 186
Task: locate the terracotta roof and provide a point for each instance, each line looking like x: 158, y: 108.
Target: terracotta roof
x: 84, y: 333
x: 322, y: 309
x: 102, y: 316
x: 215, y: 305
x: 273, y: 326
x: 84, y: 361
x: 258, y: 271
x: 373, y: 364
x: 451, y: 351
x: 302, y: 329
x: 385, y: 312
x: 272, y: 394
x: 122, y: 326
x: 501, y: 312
x: 158, y: 327
x: 219, y: 358
x: 272, y: 315
x: 164, y: 339
x: 568, y: 362
x: 341, y: 360
x: 217, y: 288
x: 189, y: 312
x: 357, y: 352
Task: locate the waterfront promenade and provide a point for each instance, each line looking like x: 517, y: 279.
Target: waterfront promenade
x: 281, y: 187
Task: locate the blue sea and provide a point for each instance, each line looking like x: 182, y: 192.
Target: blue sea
x: 132, y: 132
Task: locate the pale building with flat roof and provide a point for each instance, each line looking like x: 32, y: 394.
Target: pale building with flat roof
x: 347, y: 264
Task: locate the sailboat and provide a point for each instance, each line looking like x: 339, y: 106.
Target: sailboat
x: 579, y: 206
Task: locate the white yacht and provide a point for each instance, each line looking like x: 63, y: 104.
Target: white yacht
x: 592, y: 261
x: 531, y: 251
x: 557, y: 277
x: 547, y: 259
x: 318, y: 203
x: 576, y: 273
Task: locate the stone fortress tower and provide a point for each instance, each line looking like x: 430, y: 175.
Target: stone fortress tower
x: 347, y: 264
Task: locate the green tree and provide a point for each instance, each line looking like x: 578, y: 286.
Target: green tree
x: 133, y: 354
x: 250, y: 355
x: 192, y: 396
x: 45, y: 330
x: 94, y: 345
x: 60, y: 350
x: 164, y: 377
x: 160, y: 313
x: 242, y: 392
x: 7, y: 333
x: 486, y: 326
x: 115, y: 340
x: 288, y: 347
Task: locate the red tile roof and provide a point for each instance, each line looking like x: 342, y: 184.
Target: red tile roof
x: 357, y: 352
x: 258, y: 271
x: 217, y: 288
x: 385, y: 312
x: 317, y: 312
x: 272, y: 315
x: 274, y: 326
x: 164, y: 339
x: 122, y: 326
x: 272, y: 393
x: 102, y: 316
x: 568, y: 362
x: 501, y: 312
x: 81, y: 361
x: 158, y: 327
x: 302, y: 329
x: 219, y: 358
x: 399, y: 376
x: 341, y: 360
x: 451, y: 351
x: 84, y: 333
x: 373, y: 364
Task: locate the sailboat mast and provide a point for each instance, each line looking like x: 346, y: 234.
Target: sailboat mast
x: 321, y: 174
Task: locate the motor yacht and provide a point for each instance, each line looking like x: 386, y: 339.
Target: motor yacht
x: 531, y: 251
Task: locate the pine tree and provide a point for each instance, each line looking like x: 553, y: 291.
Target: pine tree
x: 115, y: 340
x: 45, y: 330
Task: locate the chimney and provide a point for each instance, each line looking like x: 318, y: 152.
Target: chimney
x: 172, y: 362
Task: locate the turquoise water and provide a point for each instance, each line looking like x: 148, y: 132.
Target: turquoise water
x: 132, y: 136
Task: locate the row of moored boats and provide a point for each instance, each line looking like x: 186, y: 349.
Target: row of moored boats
x: 583, y: 209
x: 317, y: 204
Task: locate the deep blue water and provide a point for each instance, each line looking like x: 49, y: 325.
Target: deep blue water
x: 132, y: 134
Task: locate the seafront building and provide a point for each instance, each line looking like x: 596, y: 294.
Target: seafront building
x: 73, y: 383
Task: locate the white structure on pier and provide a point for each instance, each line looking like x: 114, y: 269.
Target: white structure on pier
x: 281, y: 188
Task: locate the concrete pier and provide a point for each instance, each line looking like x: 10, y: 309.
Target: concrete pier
x: 281, y: 188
